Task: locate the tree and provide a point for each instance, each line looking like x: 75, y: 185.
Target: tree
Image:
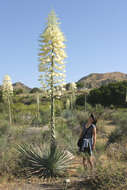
x: 35, y: 90
x: 52, y: 65
x: 111, y: 94
x: 7, y: 92
x: 80, y: 85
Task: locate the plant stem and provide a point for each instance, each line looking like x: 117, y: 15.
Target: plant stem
x: 9, y: 109
x: 53, y: 139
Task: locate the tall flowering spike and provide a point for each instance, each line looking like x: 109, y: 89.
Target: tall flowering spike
x: 7, y: 88
x: 52, y: 55
x: 7, y: 92
x: 73, y: 88
x: 52, y: 18
x: 52, y: 65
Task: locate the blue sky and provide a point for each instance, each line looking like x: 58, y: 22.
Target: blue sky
x: 96, y: 33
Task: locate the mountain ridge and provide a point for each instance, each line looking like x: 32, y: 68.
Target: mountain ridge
x: 95, y: 80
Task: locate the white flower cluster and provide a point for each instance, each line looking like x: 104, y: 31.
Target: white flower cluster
x: 7, y: 88
x: 52, y: 53
x: 73, y: 86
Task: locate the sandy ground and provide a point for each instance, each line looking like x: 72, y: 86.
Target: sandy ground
x: 76, y: 184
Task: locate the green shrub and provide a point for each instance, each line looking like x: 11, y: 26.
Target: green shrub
x: 120, y: 133
x: 35, y: 90
x: 4, y: 127
x: 82, y: 117
x: 18, y: 91
x: 108, y: 178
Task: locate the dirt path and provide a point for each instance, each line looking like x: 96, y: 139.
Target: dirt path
x: 76, y: 184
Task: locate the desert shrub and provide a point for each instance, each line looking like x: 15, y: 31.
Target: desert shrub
x: 1, y: 107
x: 3, y: 143
x: 117, y: 151
x: 72, y: 123
x: 17, y: 132
x: 36, y: 122
x: 67, y: 114
x: 120, y: 133
x: 70, y: 143
x: 66, y: 137
x: 100, y: 128
x: 62, y: 128
x: 24, y: 114
x: 82, y: 117
x: 119, y: 117
x: 44, y: 117
x: 108, y: 178
x: 58, y: 107
x: 107, y: 114
x: 4, y: 127
x: 9, y: 160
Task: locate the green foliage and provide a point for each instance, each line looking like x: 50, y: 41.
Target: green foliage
x: 34, y: 90
x: 120, y: 133
x: 4, y: 127
x: 111, y: 94
x: 58, y: 107
x: 82, y: 117
x: 45, y: 164
x: 80, y: 100
x: 18, y: 91
x: 80, y: 85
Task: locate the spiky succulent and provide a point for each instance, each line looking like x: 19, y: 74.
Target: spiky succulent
x: 45, y: 164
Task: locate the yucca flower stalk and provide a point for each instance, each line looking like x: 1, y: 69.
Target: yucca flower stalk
x: 52, y: 65
x: 68, y: 104
x: 73, y: 88
x: 7, y: 93
x: 38, y: 106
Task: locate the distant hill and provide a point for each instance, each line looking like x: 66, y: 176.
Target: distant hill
x: 95, y: 80
x: 19, y: 85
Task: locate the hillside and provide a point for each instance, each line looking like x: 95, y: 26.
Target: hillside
x: 19, y: 85
x: 96, y: 80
